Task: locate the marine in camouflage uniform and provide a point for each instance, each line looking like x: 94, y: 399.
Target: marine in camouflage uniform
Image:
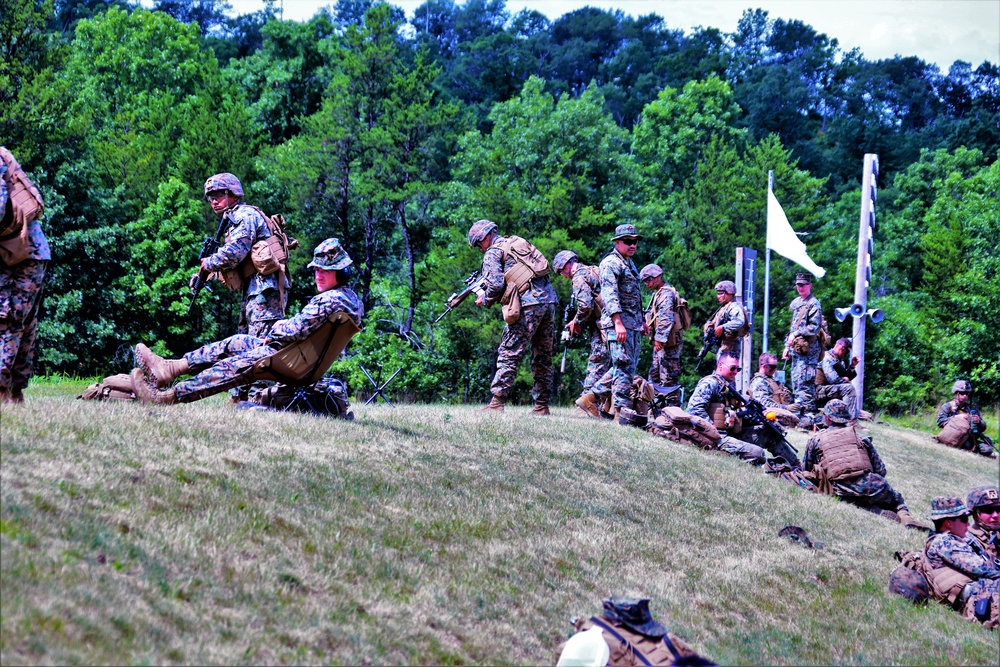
x: 984, y: 503
x: 718, y: 388
x: 262, y: 303
x: 665, y: 368
x: 802, y: 345
x: 587, y: 295
x: 836, y: 372
x: 868, y: 490
x: 229, y: 363
x: 20, y: 299
x: 728, y: 319
x: 534, y: 330
x: 621, y: 320
x: 950, y: 549
x: 962, y: 389
x: 764, y: 388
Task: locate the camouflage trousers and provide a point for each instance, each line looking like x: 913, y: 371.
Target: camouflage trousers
x: 744, y: 450
x: 260, y: 312
x: 20, y: 297
x: 220, y: 366
x: 869, y: 490
x: 665, y: 368
x: 535, y: 330
x: 844, y: 391
x: 804, y: 367
x: 597, y: 362
x: 624, y: 357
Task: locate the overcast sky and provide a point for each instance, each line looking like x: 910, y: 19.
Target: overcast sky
x: 938, y: 31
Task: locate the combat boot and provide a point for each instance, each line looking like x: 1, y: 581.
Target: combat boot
x: 496, y: 403
x: 541, y: 408
x: 907, y: 520
x: 588, y: 403
x: 147, y: 393
x: 161, y: 371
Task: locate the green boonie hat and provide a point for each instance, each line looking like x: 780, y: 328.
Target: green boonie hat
x: 727, y: 286
x: 987, y: 495
x: 803, y: 279
x: 330, y: 255
x: 837, y: 412
x: 963, y: 386
x: 650, y: 271
x: 561, y: 259
x: 480, y: 230
x: 223, y: 181
x: 624, y: 231
x: 947, y: 507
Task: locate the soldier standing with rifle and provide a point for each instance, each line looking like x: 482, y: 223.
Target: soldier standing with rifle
x: 802, y: 348
x: 667, y: 335
x: 589, y: 305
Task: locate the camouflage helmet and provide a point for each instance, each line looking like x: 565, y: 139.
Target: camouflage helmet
x: 650, y: 271
x: 563, y: 258
x: 947, y: 507
x: 727, y: 286
x: 480, y: 230
x: 331, y: 256
x: 910, y: 584
x: 987, y: 495
x: 963, y: 386
x: 837, y: 412
x: 224, y: 181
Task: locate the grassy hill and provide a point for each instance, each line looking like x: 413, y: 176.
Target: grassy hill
x: 435, y: 535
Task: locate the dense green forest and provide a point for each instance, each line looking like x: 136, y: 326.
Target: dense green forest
x: 396, y: 133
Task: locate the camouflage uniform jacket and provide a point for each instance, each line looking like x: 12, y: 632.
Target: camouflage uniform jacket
x: 316, y: 313
x: 835, y: 370
x: 38, y: 246
x: 989, y: 540
x: 620, y: 290
x: 710, y: 389
x: 764, y: 388
x: 587, y: 292
x: 806, y: 316
x: 948, y: 550
x: 246, y: 227
x: 950, y: 409
x: 661, y: 308
x: 730, y: 317
x: 814, y: 452
x: 494, y: 265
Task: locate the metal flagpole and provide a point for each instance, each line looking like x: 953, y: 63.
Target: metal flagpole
x: 767, y: 267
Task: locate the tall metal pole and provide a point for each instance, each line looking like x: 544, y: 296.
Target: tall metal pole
x: 767, y: 268
x: 862, y: 280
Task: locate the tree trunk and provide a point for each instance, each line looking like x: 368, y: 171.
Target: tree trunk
x: 411, y: 274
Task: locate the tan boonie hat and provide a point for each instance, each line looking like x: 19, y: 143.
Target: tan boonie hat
x: 803, y: 279
x: 727, y: 286
x: 625, y: 231
x: 650, y: 271
x: 947, y: 507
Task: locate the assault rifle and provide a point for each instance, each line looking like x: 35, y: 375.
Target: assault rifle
x: 567, y: 336
x: 474, y: 283
x: 711, y: 341
x: 208, y: 248
x: 976, y: 429
x: 774, y: 433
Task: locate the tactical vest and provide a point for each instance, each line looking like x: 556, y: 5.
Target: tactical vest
x: 723, y: 415
x: 631, y: 649
x: 779, y: 392
x: 956, y: 431
x: 945, y: 582
x: 741, y: 332
x: 989, y: 541
x: 529, y: 263
x: 24, y: 204
x: 843, y: 455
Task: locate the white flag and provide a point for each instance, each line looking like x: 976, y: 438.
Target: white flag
x: 781, y: 238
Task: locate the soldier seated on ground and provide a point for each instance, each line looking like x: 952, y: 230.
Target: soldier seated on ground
x: 846, y: 465
x: 769, y: 392
x: 961, y: 424
x: 715, y: 398
x: 984, y: 503
x: 229, y: 363
x: 833, y: 379
x: 959, y: 572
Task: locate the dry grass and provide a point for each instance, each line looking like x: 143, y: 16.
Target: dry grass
x: 434, y: 535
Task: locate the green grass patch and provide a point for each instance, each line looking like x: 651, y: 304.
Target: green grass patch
x: 434, y: 535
